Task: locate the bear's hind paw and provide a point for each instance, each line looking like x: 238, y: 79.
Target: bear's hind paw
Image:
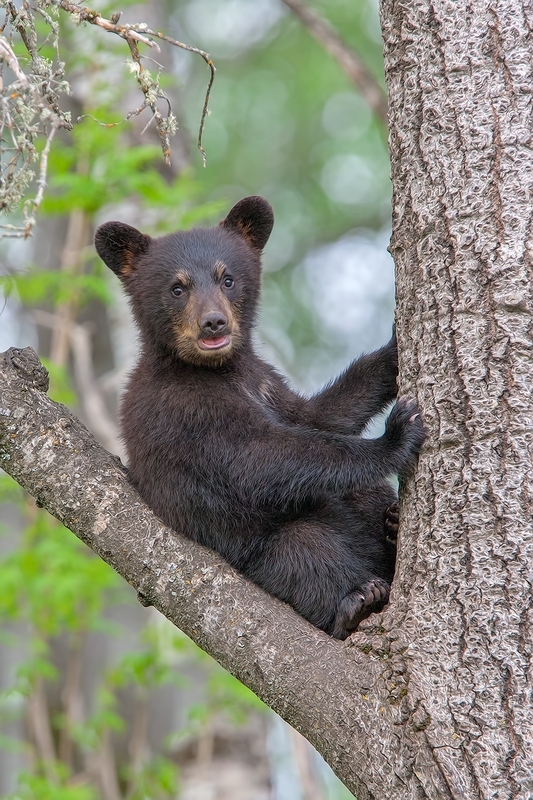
x: 356, y: 606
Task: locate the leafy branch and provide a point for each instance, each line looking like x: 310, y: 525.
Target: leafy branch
x: 30, y: 107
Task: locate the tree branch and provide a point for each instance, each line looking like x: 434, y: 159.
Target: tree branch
x: 140, y: 32
x: 295, y: 668
x: 30, y: 106
x: 362, y: 703
x: 350, y: 62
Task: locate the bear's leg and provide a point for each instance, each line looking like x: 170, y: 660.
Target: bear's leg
x: 358, y: 605
x: 332, y: 565
x: 376, y: 510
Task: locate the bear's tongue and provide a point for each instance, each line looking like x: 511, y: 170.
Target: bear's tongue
x: 217, y: 342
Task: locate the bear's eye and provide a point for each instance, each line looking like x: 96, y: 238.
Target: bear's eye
x: 177, y: 290
x: 229, y: 283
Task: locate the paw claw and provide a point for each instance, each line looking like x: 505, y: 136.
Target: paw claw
x: 404, y: 432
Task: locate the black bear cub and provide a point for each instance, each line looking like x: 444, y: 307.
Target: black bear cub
x: 223, y: 451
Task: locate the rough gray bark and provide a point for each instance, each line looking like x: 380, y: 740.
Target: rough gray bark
x: 432, y: 698
x: 460, y: 79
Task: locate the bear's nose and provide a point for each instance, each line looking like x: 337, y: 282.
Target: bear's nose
x: 213, y: 322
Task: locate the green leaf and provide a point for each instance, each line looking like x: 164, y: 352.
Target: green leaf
x: 33, y: 787
x: 35, y: 286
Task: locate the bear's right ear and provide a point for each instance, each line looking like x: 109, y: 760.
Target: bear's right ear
x: 119, y: 245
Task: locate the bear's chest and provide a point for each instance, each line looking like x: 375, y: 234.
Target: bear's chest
x: 261, y: 398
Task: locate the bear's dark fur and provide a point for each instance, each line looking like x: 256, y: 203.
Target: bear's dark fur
x: 224, y: 452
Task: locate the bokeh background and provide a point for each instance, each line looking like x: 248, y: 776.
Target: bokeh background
x: 100, y: 698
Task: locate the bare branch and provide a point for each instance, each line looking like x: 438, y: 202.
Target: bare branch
x: 350, y: 62
x: 212, y: 69
x: 7, y: 55
x: 152, y: 93
x: 125, y: 31
x: 30, y: 107
x: 308, y: 678
x: 140, y: 32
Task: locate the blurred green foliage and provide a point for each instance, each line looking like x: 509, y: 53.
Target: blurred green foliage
x: 54, y: 588
x: 98, y: 168
x: 282, y: 110
x: 34, y: 787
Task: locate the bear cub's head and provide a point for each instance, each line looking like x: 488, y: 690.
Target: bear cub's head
x: 193, y: 293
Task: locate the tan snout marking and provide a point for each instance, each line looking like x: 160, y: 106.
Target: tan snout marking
x: 187, y: 326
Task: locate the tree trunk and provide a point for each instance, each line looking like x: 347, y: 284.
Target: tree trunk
x: 460, y: 78
x: 432, y: 698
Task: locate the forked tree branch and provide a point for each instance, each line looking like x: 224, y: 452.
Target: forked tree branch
x: 351, y: 63
x: 306, y: 677
x: 352, y: 700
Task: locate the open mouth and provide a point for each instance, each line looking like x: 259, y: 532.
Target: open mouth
x: 214, y: 344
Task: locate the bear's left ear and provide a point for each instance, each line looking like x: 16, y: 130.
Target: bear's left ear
x: 253, y: 219
x: 118, y: 245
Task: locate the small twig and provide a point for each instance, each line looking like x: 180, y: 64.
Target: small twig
x: 7, y: 55
x: 12, y: 232
x: 351, y: 63
x: 147, y: 125
x: 54, y: 27
x: 132, y: 34
x: 147, y: 86
x: 85, y: 14
x: 208, y: 61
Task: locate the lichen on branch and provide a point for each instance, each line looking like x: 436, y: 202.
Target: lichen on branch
x: 32, y: 98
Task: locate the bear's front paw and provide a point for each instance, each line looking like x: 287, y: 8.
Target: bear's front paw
x: 404, y: 433
x: 390, y: 523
